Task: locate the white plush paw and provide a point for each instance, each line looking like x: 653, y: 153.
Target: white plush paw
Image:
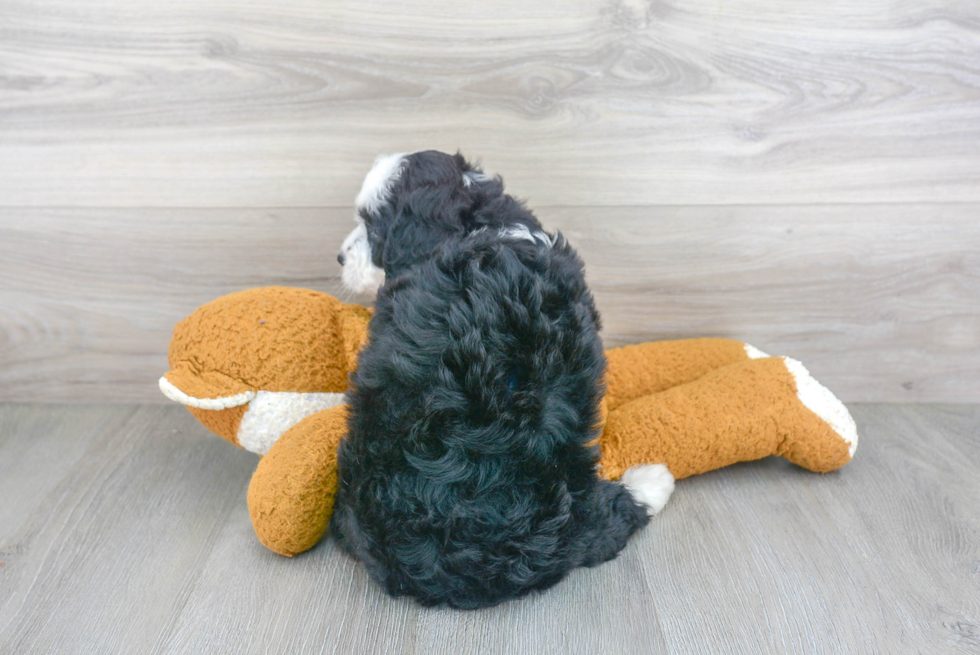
x: 819, y: 400
x: 650, y: 485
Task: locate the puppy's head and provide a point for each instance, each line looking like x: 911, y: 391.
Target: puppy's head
x: 408, y: 205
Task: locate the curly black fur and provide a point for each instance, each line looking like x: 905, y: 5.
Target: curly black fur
x: 468, y: 476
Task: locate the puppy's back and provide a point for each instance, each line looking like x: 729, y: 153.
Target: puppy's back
x: 468, y: 476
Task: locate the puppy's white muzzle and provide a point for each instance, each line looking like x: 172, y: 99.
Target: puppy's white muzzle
x: 360, y: 275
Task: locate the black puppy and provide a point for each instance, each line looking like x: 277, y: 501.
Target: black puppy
x: 468, y: 476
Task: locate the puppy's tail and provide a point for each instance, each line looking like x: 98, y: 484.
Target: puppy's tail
x: 650, y: 485
x: 626, y: 506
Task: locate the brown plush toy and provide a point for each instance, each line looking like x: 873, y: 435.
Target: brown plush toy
x: 266, y: 369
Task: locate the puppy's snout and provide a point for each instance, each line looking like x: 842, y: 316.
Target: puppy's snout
x: 340, y: 258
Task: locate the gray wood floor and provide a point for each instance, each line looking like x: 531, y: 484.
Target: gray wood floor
x: 123, y: 529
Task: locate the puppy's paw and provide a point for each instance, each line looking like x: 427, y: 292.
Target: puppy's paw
x: 650, y: 485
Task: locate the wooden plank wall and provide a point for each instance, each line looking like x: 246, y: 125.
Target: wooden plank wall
x: 802, y: 176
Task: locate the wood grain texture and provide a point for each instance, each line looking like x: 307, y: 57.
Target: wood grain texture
x: 124, y: 529
x: 881, y: 302
x: 580, y: 102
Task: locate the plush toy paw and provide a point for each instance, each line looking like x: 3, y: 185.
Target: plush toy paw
x: 735, y: 413
x: 291, y: 495
x: 821, y: 449
x: 819, y: 400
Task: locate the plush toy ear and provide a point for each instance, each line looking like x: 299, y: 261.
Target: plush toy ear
x: 204, y: 389
x: 218, y: 401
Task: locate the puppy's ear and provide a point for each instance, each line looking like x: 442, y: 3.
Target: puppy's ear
x: 486, y: 203
x: 410, y: 240
x: 478, y: 192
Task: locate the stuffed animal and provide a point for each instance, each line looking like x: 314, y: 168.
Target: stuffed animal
x: 266, y: 369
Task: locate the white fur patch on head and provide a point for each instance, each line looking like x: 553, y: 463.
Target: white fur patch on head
x: 523, y: 232
x: 819, y: 400
x: 650, y: 485
x: 753, y: 352
x: 359, y: 273
x: 271, y: 413
x: 379, y: 180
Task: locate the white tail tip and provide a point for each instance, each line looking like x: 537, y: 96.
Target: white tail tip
x: 650, y: 485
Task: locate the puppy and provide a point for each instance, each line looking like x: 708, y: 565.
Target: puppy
x: 468, y: 475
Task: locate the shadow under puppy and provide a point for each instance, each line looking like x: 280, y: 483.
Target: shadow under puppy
x: 468, y: 475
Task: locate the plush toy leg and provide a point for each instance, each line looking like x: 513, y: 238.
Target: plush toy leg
x: 646, y: 368
x: 736, y: 413
x: 290, y: 498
